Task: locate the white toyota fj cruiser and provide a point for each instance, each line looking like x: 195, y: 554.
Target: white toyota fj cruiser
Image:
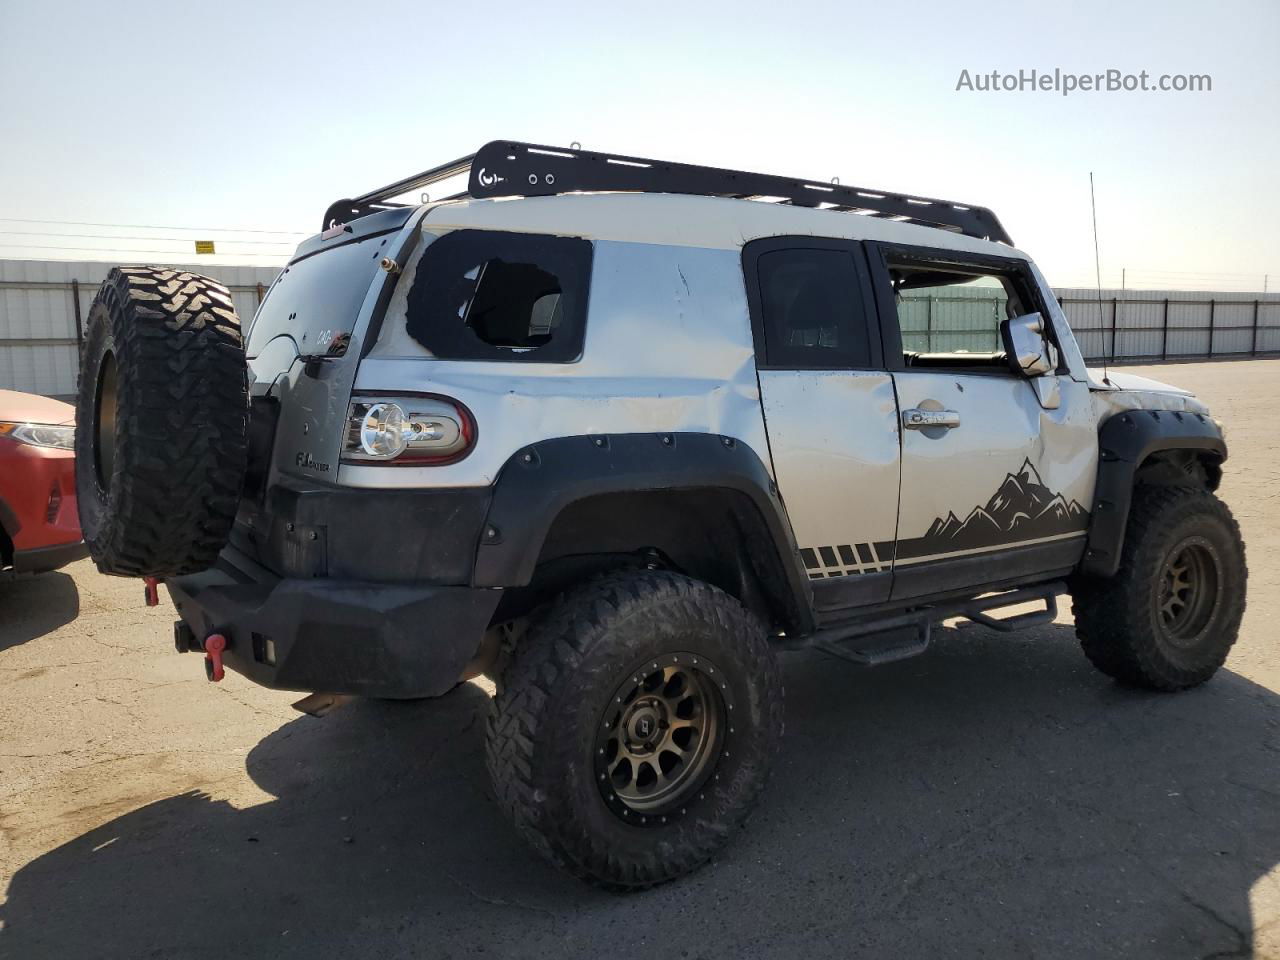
x: 614, y: 430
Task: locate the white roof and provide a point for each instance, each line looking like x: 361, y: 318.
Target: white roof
x: 691, y: 221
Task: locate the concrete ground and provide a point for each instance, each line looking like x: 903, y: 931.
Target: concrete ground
x: 996, y: 797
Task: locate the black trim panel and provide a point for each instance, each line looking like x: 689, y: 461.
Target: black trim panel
x: 972, y: 573
x: 425, y: 536
x: 845, y: 593
x: 1125, y: 440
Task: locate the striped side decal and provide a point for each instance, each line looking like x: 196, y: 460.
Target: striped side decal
x: 845, y: 560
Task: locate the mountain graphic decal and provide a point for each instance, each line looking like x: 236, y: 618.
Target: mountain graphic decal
x: 1023, y: 508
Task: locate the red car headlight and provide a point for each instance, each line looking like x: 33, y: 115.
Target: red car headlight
x: 57, y: 436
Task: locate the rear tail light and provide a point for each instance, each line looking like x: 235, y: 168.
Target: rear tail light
x: 407, y: 431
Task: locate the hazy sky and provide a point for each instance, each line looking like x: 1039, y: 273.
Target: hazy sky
x: 257, y: 115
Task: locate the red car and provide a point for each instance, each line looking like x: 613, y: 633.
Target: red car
x: 39, y: 525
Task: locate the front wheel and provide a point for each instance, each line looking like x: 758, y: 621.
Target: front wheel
x: 1172, y: 612
x: 634, y: 727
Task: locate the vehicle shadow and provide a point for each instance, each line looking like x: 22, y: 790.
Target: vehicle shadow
x: 32, y: 606
x: 995, y: 797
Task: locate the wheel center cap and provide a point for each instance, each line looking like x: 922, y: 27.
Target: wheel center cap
x: 644, y: 726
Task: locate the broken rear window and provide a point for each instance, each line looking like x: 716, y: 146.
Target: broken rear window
x: 487, y: 295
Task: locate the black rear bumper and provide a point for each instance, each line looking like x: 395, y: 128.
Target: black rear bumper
x: 335, y: 635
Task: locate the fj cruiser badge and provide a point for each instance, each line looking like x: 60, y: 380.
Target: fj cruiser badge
x: 306, y: 462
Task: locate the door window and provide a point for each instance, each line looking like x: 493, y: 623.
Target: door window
x: 949, y: 314
x: 809, y: 304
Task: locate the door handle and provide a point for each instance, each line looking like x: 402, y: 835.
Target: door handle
x: 917, y: 419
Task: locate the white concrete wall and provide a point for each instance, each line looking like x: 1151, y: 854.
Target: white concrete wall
x: 38, y: 344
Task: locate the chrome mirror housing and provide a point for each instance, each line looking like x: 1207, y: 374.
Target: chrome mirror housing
x: 1029, y: 350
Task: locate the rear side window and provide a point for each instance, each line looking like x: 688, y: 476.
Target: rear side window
x: 811, y: 306
x: 488, y: 295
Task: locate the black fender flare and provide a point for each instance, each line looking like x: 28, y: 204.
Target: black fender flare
x: 543, y: 478
x: 1125, y: 441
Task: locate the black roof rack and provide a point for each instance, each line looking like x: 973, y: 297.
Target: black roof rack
x: 503, y: 168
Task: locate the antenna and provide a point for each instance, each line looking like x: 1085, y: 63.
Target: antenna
x: 1097, y: 265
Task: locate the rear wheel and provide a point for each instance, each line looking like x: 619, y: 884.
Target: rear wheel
x: 161, y: 422
x: 634, y: 727
x: 1171, y: 614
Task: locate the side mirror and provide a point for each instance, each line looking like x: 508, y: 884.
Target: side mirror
x: 1029, y: 350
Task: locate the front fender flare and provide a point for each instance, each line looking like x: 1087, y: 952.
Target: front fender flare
x: 1125, y: 441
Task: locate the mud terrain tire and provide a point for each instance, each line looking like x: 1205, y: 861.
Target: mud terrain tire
x: 161, y: 418
x: 545, y: 753
x: 1168, y: 618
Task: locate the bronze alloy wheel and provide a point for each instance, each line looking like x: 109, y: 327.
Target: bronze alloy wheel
x: 660, y: 736
x: 1188, y: 591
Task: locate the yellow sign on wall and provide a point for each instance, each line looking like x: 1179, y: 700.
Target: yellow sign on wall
x: 204, y: 246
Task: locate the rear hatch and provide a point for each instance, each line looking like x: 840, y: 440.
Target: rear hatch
x: 314, y: 305
x: 303, y: 348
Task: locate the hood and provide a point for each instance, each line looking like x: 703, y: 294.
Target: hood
x: 28, y: 408
x: 1128, y: 391
x: 1131, y: 381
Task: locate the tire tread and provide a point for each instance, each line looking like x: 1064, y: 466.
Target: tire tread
x: 1112, y: 620
x: 182, y: 421
x: 553, y: 652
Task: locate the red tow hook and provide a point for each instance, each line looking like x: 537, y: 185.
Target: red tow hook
x: 214, y: 644
x: 152, y: 590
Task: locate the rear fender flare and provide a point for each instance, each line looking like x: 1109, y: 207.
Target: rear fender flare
x: 541, y: 480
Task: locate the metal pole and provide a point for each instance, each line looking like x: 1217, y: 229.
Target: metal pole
x: 261, y: 293
x: 1253, y: 350
x: 1212, y: 304
x: 1164, y: 335
x: 928, y: 326
x: 1115, y: 312
x: 75, y: 307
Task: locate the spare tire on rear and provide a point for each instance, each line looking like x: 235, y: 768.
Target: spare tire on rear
x: 161, y: 422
